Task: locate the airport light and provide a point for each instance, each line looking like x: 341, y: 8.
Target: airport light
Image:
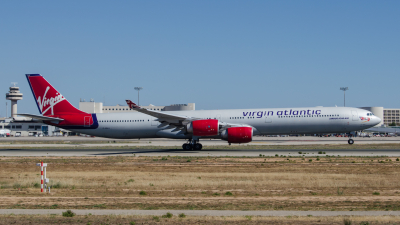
x: 138, y: 90
x: 344, y: 89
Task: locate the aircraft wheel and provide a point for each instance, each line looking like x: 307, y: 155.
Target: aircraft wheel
x: 187, y: 147
x: 350, y: 141
x: 198, y: 146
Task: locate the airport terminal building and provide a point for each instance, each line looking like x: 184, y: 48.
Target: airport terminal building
x: 97, y: 107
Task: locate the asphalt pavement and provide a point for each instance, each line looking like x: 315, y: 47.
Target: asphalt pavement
x: 204, y: 152
x: 89, y: 146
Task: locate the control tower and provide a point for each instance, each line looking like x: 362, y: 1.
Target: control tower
x: 14, y: 95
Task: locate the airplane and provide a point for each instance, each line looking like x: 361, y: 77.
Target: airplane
x: 233, y: 126
x: 5, y: 132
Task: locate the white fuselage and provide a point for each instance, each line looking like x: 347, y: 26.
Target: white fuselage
x: 265, y: 121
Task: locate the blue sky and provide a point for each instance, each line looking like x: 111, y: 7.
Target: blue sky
x: 217, y: 54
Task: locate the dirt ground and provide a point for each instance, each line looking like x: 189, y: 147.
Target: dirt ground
x: 236, y: 183
x: 182, y: 219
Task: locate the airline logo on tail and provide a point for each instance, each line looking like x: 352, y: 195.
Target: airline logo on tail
x: 132, y: 105
x: 49, y: 102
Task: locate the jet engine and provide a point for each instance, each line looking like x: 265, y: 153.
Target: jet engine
x: 203, y: 127
x: 237, y: 134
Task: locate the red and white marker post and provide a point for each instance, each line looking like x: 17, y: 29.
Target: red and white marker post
x: 43, y: 179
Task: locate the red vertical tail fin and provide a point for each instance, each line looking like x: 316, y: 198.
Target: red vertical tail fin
x: 48, y: 99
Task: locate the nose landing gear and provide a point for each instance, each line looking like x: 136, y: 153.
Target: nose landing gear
x: 192, y: 145
x: 350, y: 141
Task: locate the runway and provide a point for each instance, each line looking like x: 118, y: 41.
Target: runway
x: 90, y: 146
x: 257, y: 140
x: 202, y: 153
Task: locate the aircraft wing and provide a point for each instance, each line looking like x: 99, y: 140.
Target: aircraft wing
x: 44, y: 118
x: 175, y: 121
x: 162, y: 116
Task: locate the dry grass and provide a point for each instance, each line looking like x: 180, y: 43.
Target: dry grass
x: 332, y: 183
x: 215, y: 181
x: 112, y: 219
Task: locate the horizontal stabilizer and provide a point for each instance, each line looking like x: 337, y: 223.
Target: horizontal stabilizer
x: 44, y: 118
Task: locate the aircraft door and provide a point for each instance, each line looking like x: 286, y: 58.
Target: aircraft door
x: 354, y: 115
x: 87, y: 121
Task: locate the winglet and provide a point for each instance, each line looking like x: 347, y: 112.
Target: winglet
x: 132, y: 105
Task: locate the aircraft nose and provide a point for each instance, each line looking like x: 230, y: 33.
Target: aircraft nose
x: 377, y: 120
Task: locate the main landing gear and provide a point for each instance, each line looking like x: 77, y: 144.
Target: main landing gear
x: 192, y: 145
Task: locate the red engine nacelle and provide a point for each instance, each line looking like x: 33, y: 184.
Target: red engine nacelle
x: 203, y: 128
x: 238, y: 134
